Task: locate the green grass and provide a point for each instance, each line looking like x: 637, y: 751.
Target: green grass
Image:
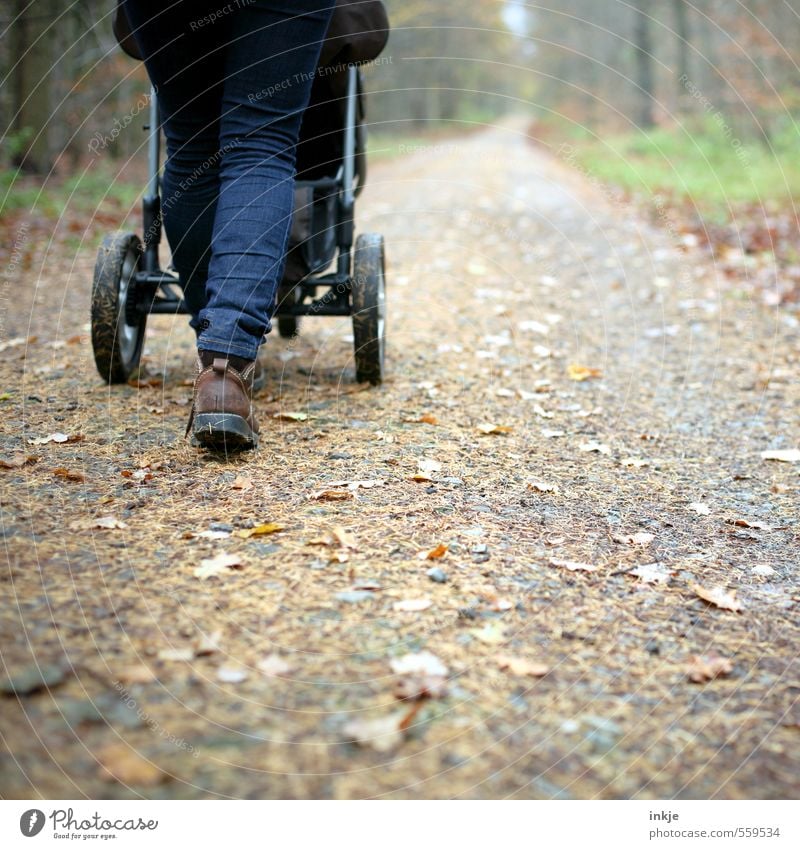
x: 82, y: 193
x: 701, y: 165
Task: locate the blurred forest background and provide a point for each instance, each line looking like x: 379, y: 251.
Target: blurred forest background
x: 691, y: 104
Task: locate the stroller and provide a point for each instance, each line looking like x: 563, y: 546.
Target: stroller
x: 130, y: 284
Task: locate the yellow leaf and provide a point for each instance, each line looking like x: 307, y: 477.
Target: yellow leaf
x: 581, y: 373
x: 259, y: 530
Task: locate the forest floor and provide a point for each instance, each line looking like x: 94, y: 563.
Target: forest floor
x: 546, y: 559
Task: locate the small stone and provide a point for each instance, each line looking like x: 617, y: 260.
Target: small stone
x: 436, y: 574
x: 221, y: 526
x: 31, y: 680
x: 354, y: 596
x: 340, y: 455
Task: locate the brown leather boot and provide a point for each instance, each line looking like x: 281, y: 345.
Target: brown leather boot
x: 222, y: 417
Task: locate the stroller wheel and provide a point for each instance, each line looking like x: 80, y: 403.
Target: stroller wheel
x: 288, y: 325
x: 369, y: 308
x: 117, y: 337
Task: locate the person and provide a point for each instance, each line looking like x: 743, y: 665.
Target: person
x: 232, y: 82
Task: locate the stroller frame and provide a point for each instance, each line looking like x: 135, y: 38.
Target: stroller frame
x: 130, y: 284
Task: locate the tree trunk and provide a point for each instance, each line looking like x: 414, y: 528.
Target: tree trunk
x: 644, y: 64
x: 684, y: 37
x: 31, y: 83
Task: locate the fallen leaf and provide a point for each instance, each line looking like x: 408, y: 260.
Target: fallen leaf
x: 183, y: 654
x: 785, y: 455
x: 136, y: 674
x: 363, y: 484
x: 541, y: 486
x: 291, y: 417
x: 273, y: 666
x: 231, y: 674
x: 421, y: 663
x: 344, y: 538
x: 704, y: 668
x: 590, y: 446
x: 700, y: 508
x: 259, y: 530
x: 748, y: 523
x: 222, y: 564
x: 53, y: 437
x: 412, y: 605
x: 425, y: 418
x: 651, y: 573
x: 416, y: 687
x: 17, y: 462
x: 435, y: 553
x: 332, y: 495
x: 381, y: 734
x: 207, y: 644
x: 492, y: 633
x: 421, y: 477
x: 639, y: 538
x: 69, y: 475
x: 242, y: 482
x: 581, y: 373
x: 573, y: 566
x: 520, y: 666
x: 488, y: 429
x: 719, y: 597
x: 118, y: 762
x: 109, y: 523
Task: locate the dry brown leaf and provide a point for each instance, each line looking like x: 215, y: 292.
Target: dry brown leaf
x: 592, y: 446
x: 419, y: 663
x: 415, y: 687
x: 492, y: 633
x: 183, y: 654
x: 581, y: 373
x: 493, y: 429
x: 109, y: 523
x: 784, y: 455
x: 541, y: 486
x: 118, y: 762
x: 412, y: 605
x: 520, y: 666
x: 651, y: 573
x: 748, y: 523
x: 17, y: 462
x: 719, y: 597
x: 332, y: 495
x: 207, y: 644
x: 53, y: 437
x: 704, y: 668
x: 381, y: 734
x: 273, y: 666
x: 231, y: 674
x: 259, y: 530
x: 222, y: 564
x: 425, y: 418
x: 242, y: 483
x: 639, y: 538
x: 291, y: 417
x: 136, y: 674
x: 421, y: 477
x: 435, y: 553
x: 573, y: 565
x: 67, y: 474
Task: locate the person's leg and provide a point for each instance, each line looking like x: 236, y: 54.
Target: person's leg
x: 270, y: 62
x: 185, y: 61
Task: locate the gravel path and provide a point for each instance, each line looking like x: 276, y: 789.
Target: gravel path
x: 557, y: 516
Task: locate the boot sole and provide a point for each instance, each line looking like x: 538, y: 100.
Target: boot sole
x: 223, y: 432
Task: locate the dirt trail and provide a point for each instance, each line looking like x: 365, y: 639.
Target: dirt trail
x: 505, y: 269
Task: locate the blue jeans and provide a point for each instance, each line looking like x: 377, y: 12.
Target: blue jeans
x: 232, y: 80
